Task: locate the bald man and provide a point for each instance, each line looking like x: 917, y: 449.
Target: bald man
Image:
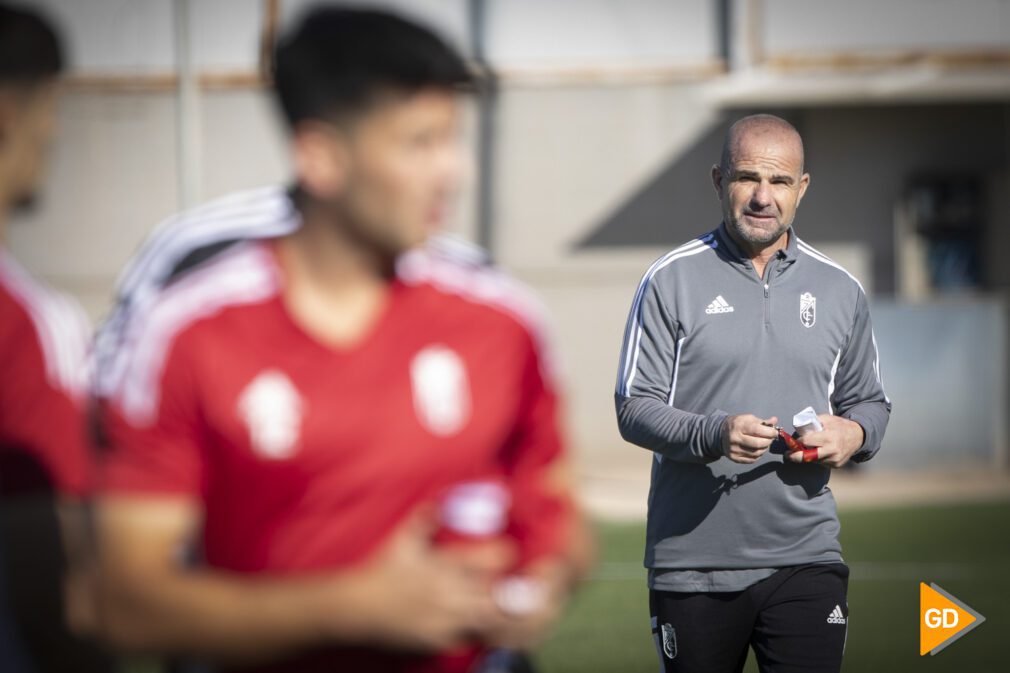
x: 729, y: 336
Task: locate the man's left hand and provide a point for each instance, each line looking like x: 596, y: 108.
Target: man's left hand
x: 526, y: 620
x: 835, y: 444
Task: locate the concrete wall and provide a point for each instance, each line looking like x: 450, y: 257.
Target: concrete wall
x: 593, y: 181
x: 113, y: 176
x: 895, y: 25
x: 860, y: 158
x: 601, y: 33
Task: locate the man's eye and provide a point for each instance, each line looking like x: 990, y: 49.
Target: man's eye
x: 429, y: 138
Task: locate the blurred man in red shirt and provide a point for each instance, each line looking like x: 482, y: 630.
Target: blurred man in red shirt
x: 358, y: 431
x: 44, y: 477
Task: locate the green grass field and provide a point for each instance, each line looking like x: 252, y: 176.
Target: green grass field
x: 965, y: 549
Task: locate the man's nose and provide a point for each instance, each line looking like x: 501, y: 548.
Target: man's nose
x: 761, y: 197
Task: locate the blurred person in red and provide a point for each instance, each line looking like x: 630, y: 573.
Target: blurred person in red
x: 332, y: 443
x: 44, y: 459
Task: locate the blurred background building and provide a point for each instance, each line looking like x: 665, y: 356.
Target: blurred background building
x: 591, y: 158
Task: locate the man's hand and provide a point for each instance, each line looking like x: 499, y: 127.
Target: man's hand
x: 835, y: 444
x: 417, y: 596
x: 529, y: 605
x: 745, y: 438
x: 409, y: 594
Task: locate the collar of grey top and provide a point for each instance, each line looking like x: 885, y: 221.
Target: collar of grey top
x: 732, y: 253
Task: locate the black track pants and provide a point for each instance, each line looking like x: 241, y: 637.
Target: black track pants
x: 796, y: 621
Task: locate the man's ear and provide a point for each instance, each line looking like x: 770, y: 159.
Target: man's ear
x: 804, y: 183
x: 321, y: 159
x: 717, y: 179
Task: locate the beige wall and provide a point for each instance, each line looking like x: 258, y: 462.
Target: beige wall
x: 112, y: 176
x: 567, y: 155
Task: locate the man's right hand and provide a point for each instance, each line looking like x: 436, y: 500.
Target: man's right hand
x: 745, y: 438
x: 421, y: 597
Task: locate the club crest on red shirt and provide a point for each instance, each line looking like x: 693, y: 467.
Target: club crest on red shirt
x: 441, y: 390
x: 272, y: 410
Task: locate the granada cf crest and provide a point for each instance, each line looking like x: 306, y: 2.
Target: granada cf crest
x: 272, y: 410
x: 808, y: 309
x: 441, y: 390
x: 669, y: 642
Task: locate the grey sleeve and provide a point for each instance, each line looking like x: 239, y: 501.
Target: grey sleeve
x: 859, y: 390
x: 644, y: 381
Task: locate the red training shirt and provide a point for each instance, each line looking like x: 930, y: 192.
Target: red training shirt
x: 43, y: 375
x: 305, y: 456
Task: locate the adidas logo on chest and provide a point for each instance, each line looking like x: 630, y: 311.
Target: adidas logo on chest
x: 719, y: 305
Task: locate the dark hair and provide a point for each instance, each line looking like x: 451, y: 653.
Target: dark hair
x: 337, y: 60
x: 29, y: 47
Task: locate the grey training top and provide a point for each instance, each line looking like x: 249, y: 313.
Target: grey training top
x: 706, y: 338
